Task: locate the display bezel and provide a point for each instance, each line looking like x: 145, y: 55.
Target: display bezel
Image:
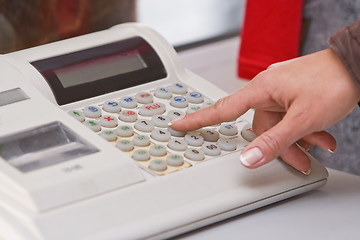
x: 153, y: 71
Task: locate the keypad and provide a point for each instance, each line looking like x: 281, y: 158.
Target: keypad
x: 139, y: 125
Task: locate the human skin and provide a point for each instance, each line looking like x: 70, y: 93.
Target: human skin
x: 294, y: 101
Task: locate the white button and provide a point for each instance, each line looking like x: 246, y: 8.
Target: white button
x: 161, y: 135
x: 195, y: 140
x: 108, y: 121
x: 109, y: 135
x: 248, y: 133
x: 176, y: 133
x: 141, y: 140
x: 192, y: 108
x: 194, y: 154
x: 206, y: 104
x: 152, y: 109
x: 92, y: 111
x: 158, y: 150
x: 112, y: 106
x: 211, y: 149
x: 177, y: 144
x: 175, y: 160
x: 164, y: 93
x: 125, y: 131
x: 173, y: 114
x: 128, y: 116
x: 125, y: 145
x: 228, y: 129
x: 144, y: 97
x: 141, y: 155
x: 227, y: 144
x: 128, y: 102
x: 178, y: 88
x: 144, y: 125
x: 93, y: 125
x: 209, y: 135
x: 158, y: 165
x: 179, y: 102
x: 77, y: 114
x: 161, y: 120
x: 195, y: 97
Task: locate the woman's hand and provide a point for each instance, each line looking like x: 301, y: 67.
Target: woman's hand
x: 294, y: 102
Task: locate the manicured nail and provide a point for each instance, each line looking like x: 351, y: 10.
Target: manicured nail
x: 251, y: 156
x: 175, y: 120
x: 307, y: 173
x: 333, y: 150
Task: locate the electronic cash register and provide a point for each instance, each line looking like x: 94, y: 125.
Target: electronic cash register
x: 86, y: 151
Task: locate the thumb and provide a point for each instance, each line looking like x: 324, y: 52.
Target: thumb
x: 275, y: 141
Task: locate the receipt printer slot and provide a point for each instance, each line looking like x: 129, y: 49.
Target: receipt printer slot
x: 43, y: 146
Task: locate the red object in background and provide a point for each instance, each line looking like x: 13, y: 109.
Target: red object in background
x: 270, y: 34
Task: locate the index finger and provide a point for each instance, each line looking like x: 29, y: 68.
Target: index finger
x: 224, y: 110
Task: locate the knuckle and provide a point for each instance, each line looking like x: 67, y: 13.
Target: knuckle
x: 272, y: 145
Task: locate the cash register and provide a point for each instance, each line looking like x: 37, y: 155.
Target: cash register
x: 87, y: 151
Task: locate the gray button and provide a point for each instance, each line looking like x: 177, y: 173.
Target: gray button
x: 164, y: 93
x: 152, y: 109
x: 77, y: 114
x: 173, y: 114
x: 176, y: 133
x: 144, y: 125
x: 211, y: 149
x: 161, y: 135
x: 111, y: 106
x: 141, y: 140
x: 194, y: 154
x: 161, y: 120
x: 207, y: 103
x: 193, y: 139
x: 128, y: 102
x: 209, y: 135
x: 108, y: 121
x: 177, y: 144
x: 158, y: 165
x: 93, y: 125
x: 128, y: 116
x: 125, y: 145
x: 248, y: 133
x: 192, y: 108
x: 228, y: 129
x: 179, y: 102
x: 178, y: 88
x: 92, y: 111
x: 175, y: 160
x: 195, y: 97
x: 158, y: 150
x: 141, y: 155
x: 109, y: 135
x: 227, y: 144
x: 125, y: 131
x: 144, y: 97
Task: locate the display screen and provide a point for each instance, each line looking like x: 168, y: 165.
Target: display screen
x: 12, y: 96
x: 100, y: 70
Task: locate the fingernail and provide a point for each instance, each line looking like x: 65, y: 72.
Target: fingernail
x: 175, y: 120
x: 307, y: 173
x: 251, y: 156
x: 333, y: 150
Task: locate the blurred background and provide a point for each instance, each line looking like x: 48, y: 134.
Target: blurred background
x: 185, y: 23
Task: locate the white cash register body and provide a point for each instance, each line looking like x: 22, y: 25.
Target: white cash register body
x: 59, y: 180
